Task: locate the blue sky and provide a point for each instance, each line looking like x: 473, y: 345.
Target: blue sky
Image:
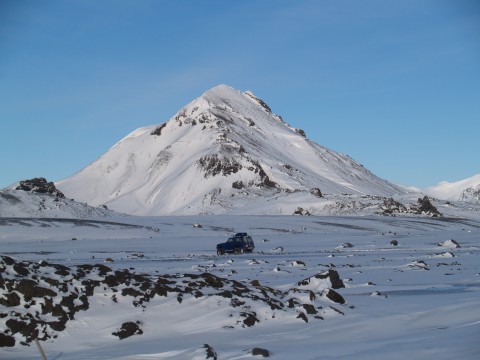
x: 393, y: 84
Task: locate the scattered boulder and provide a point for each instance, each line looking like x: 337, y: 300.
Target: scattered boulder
x: 128, y: 329
x: 378, y: 294
x: 260, y: 352
x: 323, y: 280
x: 316, y: 192
x: 425, y: 207
x: 450, y: 244
x: 394, y: 243
x: 333, y: 296
x: 298, y: 263
x: 238, y: 185
x: 418, y: 265
x: 301, y: 211
x: 250, y: 318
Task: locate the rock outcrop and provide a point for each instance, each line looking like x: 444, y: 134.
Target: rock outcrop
x: 61, y: 293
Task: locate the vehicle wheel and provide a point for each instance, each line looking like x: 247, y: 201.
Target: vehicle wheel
x: 236, y: 251
x: 220, y: 252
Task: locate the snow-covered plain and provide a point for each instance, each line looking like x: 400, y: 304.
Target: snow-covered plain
x: 417, y: 300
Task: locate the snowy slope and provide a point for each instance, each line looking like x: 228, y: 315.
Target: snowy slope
x: 18, y: 203
x: 464, y: 190
x: 225, y: 150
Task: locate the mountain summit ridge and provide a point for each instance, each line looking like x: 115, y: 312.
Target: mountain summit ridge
x: 224, y: 151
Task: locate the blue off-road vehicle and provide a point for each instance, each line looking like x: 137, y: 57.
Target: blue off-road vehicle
x: 237, y: 244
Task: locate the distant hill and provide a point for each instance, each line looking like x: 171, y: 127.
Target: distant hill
x: 39, y: 198
x: 464, y: 190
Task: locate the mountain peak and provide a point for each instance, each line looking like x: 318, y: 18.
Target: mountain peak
x: 223, y: 151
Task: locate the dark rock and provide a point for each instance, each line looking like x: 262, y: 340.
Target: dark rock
x: 262, y: 103
x: 7, y: 260
x: 298, y: 263
x: 21, y: 269
x: 57, y: 325
x: 11, y: 299
x: 212, y: 280
x: 310, y: 309
x: 236, y: 302
x: 265, y: 180
x: 390, y: 206
x: 27, y: 329
x: 213, y: 165
x: 6, y: 340
x: 394, y: 243
x: 238, y: 185
x: 260, y: 352
x: 316, y: 192
x: 301, y: 132
x: 211, y: 354
x: 301, y: 315
x: 158, y: 130
x: 334, y: 296
x: 301, y: 211
x: 128, y: 329
x: 424, y: 206
x: 331, y: 274
x: 30, y: 289
x: 250, y: 318
x: 40, y: 185
x: 255, y: 283
x: 131, y: 292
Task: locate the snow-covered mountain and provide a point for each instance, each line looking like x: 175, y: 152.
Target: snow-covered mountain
x: 224, y: 151
x: 463, y: 190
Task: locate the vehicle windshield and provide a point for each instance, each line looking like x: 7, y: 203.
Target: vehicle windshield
x: 230, y: 240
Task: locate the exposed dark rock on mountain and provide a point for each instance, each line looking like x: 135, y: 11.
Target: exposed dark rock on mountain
x: 316, y: 192
x: 41, y: 186
x: 158, y: 130
x: 471, y: 194
x: 210, y: 352
x: 214, y: 165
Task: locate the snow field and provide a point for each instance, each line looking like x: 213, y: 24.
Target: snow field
x: 412, y: 300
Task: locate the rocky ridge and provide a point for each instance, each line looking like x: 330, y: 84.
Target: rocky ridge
x: 40, y: 299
